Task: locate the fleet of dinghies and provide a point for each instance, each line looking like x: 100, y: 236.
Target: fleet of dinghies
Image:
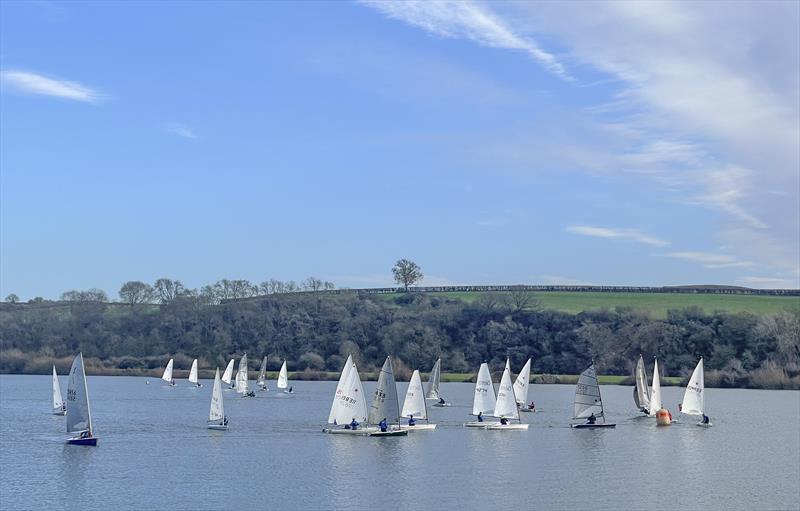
x: 353, y: 413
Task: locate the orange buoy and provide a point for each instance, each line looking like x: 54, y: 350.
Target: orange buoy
x: 663, y: 417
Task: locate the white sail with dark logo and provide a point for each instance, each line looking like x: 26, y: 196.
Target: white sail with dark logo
x: 414, y: 403
x: 693, y: 398
x: 385, y: 404
x: 340, y: 390
x: 521, y: 384
x: 587, y: 396
x: 79, y: 417
x: 349, y: 402
x: 641, y: 392
x: 216, y: 414
x: 506, y: 405
x: 484, y: 400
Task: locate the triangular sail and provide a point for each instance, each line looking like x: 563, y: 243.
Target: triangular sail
x: 241, y: 376
x: 693, y: 398
x: 432, y: 391
x: 228, y: 374
x: 641, y: 392
x: 655, y: 393
x: 167, y: 376
x: 283, y: 377
x: 193, y: 372
x: 58, y: 401
x: 587, y: 396
x: 414, y: 403
x: 506, y: 405
x: 521, y: 384
x: 262, y: 374
x: 217, y: 411
x: 349, y: 402
x: 79, y: 418
x: 508, y: 365
x: 485, y: 399
x: 384, y: 400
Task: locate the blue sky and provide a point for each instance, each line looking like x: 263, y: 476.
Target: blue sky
x: 627, y: 143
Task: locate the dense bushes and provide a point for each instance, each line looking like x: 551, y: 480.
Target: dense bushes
x: 317, y: 332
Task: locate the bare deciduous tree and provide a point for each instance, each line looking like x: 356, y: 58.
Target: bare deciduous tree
x: 136, y: 292
x: 12, y: 298
x: 407, y: 273
x: 167, y: 290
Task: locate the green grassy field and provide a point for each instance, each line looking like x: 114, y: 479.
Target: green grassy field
x: 656, y: 303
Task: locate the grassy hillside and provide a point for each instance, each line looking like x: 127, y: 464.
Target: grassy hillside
x: 657, y: 303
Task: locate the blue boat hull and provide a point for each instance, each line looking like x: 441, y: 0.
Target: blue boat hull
x: 82, y: 441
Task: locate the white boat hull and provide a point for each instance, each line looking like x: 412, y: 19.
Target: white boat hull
x: 476, y: 424
x: 59, y: 411
x: 526, y: 410
x: 704, y: 424
x: 510, y: 426
x: 218, y: 427
x: 418, y: 427
x: 352, y: 432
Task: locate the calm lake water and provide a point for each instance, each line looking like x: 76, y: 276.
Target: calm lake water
x: 155, y: 452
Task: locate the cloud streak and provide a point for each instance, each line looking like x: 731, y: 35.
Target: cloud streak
x: 33, y: 83
x: 622, y: 234
x: 181, y: 130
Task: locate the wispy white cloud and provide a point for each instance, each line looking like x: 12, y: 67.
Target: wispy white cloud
x: 768, y: 282
x: 712, y: 260
x: 558, y: 280
x: 493, y: 222
x: 468, y: 20
x: 181, y: 130
x: 33, y: 83
x: 612, y: 233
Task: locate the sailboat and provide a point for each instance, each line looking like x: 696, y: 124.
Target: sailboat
x: 414, y: 405
x: 262, y: 375
x: 588, y: 402
x: 521, y: 387
x: 349, y: 403
x: 432, y: 390
x: 506, y: 406
x: 385, y: 405
x: 59, y: 407
x: 641, y: 392
x: 241, y: 379
x: 283, y: 379
x: 193, y: 374
x: 167, y: 376
x: 228, y: 374
x: 655, y: 392
x: 79, y: 418
x: 484, y: 400
x: 216, y: 415
x: 694, y: 396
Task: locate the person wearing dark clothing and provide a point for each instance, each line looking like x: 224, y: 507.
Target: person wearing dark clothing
x: 532, y: 406
x: 592, y: 419
x: 383, y: 425
x: 412, y: 421
x: 354, y: 423
x: 706, y: 420
x: 503, y: 421
x: 480, y: 416
x: 442, y: 401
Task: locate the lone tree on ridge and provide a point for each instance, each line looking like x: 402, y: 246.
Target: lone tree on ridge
x: 407, y: 273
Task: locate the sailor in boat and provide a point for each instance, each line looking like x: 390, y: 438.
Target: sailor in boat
x: 63, y: 407
x: 592, y: 419
x: 85, y: 434
x: 383, y: 425
x: 480, y: 416
x: 290, y: 390
x: 503, y: 420
x: 532, y: 406
x: 225, y: 420
x: 411, y: 420
x: 706, y: 420
x: 353, y: 424
x: 442, y: 401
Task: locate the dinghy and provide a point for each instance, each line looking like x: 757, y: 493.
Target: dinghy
x: 655, y: 392
x: 167, y: 376
x: 588, y: 402
x: 414, y: 405
x: 432, y: 391
x: 521, y: 387
x: 506, y: 406
x: 484, y: 400
x: 261, y: 382
x: 216, y: 415
x: 79, y: 418
x: 228, y: 374
x: 385, y: 405
x: 641, y: 391
x: 349, y: 403
x: 283, y: 379
x: 59, y: 407
x: 193, y: 374
x: 241, y: 379
x: 694, y: 396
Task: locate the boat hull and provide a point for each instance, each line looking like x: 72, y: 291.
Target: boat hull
x: 440, y: 405
x: 592, y: 426
x: 476, y: 424
x: 704, y: 424
x: 217, y: 427
x: 509, y: 426
x: 391, y: 432
x: 418, y: 427
x: 59, y: 412
x: 526, y: 410
x: 82, y: 441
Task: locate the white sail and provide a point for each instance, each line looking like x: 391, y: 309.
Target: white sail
x: 641, y: 392
x: 521, y: 384
x: 485, y: 399
x: 508, y: 365
x: 241, y: 376
x: 228, y: 374
x: 432, y: 391
x: 384, y: 401
x: 587, y: 396
x: 262, y: 374
x: 655, y: 393
x: 340, y: 388
x: 693, y: 398
x: 217, y: 411
x: 58, y: 401
x: 349, y: 402
x: 414, y: 403
x: 283, y: 377
x: 79, y: 418
x: 167, y: 376
x: 506, y: 405
x: 193, y: 372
